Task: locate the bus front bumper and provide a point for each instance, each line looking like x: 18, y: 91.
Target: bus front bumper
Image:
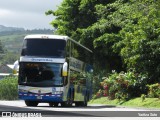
x: 41, y: 98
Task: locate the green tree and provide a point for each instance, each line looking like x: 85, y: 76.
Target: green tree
x: 75, y: 18
x: 9, y: 58
x: 124, y: 34
x: 140, y: 42
x: 104, y: 33
x: 1, y: 52
x: 1, y: 48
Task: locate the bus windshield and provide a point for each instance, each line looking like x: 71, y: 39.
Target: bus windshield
x: 44, y: 48
x: 40, y: 74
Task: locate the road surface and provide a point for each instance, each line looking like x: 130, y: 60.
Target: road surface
x: 19, y: 109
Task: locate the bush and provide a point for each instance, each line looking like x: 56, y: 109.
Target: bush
x: 154, y: 90
x: 122, y: 86
x: 9, y: 88
x: 97, y: 78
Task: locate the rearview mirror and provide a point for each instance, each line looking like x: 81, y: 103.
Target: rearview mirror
x: 16, y: 67
x: 65, y: 69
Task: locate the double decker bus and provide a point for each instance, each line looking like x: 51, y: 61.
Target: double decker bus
x: 54, y: 69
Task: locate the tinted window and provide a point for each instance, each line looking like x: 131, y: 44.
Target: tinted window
x: 44, y: 47
x: 40, y: 74
x: 80, y: 53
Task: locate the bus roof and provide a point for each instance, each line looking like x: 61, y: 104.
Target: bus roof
x: 45, y: 36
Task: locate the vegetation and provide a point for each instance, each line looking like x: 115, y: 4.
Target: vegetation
x: 125, y: 86
x: 11, y: 40
x: 121, y: 86
x: 9, y: 88
x: 154, y: 90
x: 1, y: 50
x: 124, y: 36
x: 136, y: 102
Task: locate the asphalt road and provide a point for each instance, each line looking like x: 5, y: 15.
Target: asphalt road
x: 19, y: 109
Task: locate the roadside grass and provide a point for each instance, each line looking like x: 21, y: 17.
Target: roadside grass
x: 136, y: 102
x: 9, y: 88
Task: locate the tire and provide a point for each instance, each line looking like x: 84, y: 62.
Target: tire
x: 82, y: 104
x: 69, y: 101
x: 56, y: 104
x: 66, y: 104
x: 31, y: 103
x: 78, y: 104
x: 53, y: 104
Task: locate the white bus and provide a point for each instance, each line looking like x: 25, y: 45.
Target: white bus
x: 54, y: 69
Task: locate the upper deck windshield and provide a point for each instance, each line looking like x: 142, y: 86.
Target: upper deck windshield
x: 44, y: 48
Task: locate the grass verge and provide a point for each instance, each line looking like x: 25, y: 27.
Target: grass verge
x: 136, y: 102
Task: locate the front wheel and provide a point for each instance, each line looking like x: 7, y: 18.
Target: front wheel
x: 31, y: 103
x: 53, y: 104
x: 70, y: 99
x: 66, y: 104
x: 82, y: 104
x: 85, y: 102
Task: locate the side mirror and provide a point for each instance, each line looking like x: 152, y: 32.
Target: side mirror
x: 16, y: 67
x: 65, y: 69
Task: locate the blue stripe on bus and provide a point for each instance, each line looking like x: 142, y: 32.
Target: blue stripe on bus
x: 56, y: 98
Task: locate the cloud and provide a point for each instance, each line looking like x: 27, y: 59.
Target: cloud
x: 4, y: 12
x: 30, y: 5
x: 26, y: 20
x: 27, y: 13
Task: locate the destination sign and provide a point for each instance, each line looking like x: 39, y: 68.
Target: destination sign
x: 32, y: 59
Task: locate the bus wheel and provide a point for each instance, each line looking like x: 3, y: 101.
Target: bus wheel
x: 66, y: 104
x: 84, y: 103
x: 77, y: 104
x: 31, y: 103
x: 53, y: 104
x: 69, y: 101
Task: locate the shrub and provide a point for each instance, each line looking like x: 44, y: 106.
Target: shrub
x: 9, y: 88
x: 123, y: 86
x: 154, y: 90
x: 97, y: 79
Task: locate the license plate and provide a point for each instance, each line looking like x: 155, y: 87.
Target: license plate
x: 39, y: 97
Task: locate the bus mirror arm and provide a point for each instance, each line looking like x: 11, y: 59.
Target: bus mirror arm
x: 65, y: 69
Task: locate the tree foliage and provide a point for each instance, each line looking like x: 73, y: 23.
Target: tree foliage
x: 1, y: 48
x: 124, y: 34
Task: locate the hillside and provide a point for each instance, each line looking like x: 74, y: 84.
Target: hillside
x: 9, y: 29
x: 12, y: 37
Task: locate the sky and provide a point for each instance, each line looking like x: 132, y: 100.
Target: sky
x: 28, y: 14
